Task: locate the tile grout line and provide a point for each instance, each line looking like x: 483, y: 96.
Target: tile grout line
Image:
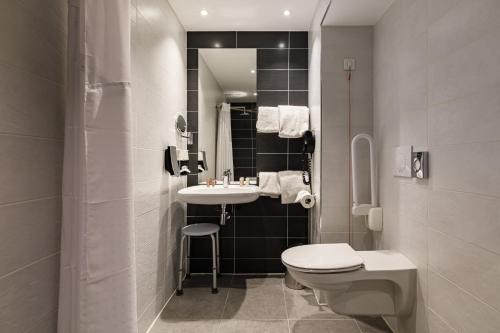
x: 159, y: 313
x: 32, y: 263
x: 286, y: 309
x: 357, y: 325
x: 225, y: 303
x: 465, y: 291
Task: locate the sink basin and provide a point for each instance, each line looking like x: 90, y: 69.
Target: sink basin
x: 219, y: 195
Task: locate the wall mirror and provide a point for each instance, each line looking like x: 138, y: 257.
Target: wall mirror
x: 180, y: 124
x: 227, y: 111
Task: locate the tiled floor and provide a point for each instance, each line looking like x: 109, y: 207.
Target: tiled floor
x: 254, y: 304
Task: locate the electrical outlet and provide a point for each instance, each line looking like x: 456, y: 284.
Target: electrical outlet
x: 349, y: 64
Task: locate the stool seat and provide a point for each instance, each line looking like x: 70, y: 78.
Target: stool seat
x: 200, y: 229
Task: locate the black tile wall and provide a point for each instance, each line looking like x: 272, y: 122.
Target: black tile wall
x: 298, y: 79
x: 253, y: 239
x: 244, y: 143
x: 245, y: 172
x: 192, y: 121
x: 295, y: 146
x: 243, y: 139
x: 192, y: 100
x: 192, y: 59
x: 272, y: 98
x: 299, y: 39
x: 295, y: 162
x: 299, y: 98
x: 255, y: 226
x: 211, y: 39
x: 272, y: 162
x: 270, y: 143
x: 192, y: 79
x: 254, y: 248
x: 299, y: 59
x: 272, y: 80
x: 272, y: 59
x: 263, y: 39
x: 261, y: 265
x: 265, y: 206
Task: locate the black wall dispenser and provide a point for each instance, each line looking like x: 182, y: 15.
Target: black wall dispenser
x: 177, y: 164
x: 171, y: 163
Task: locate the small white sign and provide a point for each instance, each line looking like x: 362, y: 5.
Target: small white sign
x: 403, y: 161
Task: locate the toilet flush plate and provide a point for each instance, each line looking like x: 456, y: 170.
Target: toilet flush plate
x: 403, y: 161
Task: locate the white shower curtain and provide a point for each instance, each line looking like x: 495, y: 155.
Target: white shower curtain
x: 97, y: 285
x: 224, y: 143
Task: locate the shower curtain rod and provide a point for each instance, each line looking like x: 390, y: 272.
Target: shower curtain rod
x: 235, y: 108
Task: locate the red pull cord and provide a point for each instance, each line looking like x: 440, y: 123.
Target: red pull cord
x: 350, y: 153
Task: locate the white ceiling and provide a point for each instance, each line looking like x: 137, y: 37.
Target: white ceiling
x: 245, y: 15
x: 356, y: 12
x: 232, y: 69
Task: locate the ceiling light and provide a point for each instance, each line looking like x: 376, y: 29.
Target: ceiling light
x: 235, y: 94
x: 286, y: 12
x: 255, y: 94
x: 281, y: 45
x: 216, y: 44
x: 252, y: 71
x: 204, y: 12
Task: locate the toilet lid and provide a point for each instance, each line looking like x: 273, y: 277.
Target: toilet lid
x: 322, y: 257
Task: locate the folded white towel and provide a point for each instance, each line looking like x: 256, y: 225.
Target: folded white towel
x: 291, y: 184
x: 269, y: 184
x: 268, y: 120
x: 294, y: 121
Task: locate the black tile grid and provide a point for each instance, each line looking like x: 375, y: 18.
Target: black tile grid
x: 252, y: 241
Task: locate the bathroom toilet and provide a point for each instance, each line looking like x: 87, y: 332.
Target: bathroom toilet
x: 355, y: 282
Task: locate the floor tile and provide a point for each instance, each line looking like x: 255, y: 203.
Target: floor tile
x: 256, y: 281
x: 255, y: 298
x: 372, y: 325
x: 253, y: 326
x: 258, y: 304
x: 324, y: 326
x: 196, y: 326
x: 302, y: 304
x: 198, y: 302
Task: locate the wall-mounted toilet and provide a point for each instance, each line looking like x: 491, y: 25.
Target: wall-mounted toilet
x: 355, y: 282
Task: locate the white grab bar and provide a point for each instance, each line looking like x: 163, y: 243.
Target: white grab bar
x: 374, y: 198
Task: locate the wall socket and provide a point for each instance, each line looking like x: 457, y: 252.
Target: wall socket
x: 349, y: 64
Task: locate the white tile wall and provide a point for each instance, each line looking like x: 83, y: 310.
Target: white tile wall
x: 315, y: 96
x: 158, y: 95
x: 436, y: 86
x: 32, y: 71
x: 29, y: 294
x: 338, y: 43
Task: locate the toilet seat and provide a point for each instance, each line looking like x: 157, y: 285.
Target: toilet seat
x: 322, y: 258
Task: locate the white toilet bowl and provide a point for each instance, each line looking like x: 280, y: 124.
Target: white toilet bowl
x: 355, y: 282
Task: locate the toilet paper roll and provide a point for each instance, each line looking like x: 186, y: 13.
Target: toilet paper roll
x: 306, y: 199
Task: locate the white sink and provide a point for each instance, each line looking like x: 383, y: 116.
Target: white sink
x: 219, y: 195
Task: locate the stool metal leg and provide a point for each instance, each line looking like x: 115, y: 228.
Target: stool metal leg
x: 188, y: 259
x: 181, y: 259
x: 218, y: 254
x: 214, y: 266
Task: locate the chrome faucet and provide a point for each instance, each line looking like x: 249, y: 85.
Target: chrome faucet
x: 227, y: 172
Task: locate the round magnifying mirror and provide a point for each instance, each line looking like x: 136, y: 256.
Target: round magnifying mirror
x: 180, y: 124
